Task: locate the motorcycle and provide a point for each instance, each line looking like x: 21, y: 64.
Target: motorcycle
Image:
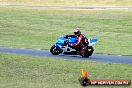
x: 61, y: 46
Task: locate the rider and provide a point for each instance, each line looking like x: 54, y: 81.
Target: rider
x: 82, y: 41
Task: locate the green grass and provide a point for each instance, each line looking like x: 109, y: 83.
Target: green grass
x: 40, y: 28
x: 17, y: 71
x: 69, y: 2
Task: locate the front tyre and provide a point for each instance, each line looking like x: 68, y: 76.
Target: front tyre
x: 55, y: 50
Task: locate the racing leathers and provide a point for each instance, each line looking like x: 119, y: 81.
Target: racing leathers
x: 81, y: 44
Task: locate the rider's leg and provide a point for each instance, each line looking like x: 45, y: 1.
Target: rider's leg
x: 82, y: 49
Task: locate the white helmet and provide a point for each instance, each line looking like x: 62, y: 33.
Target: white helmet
x: 77, y: 31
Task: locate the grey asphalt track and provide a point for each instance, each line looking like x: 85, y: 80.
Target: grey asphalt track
x: 78, y: 7
x: 94, y: 57
x: 88, y: 7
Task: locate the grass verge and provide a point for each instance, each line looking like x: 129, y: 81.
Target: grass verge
x: 17, y: 71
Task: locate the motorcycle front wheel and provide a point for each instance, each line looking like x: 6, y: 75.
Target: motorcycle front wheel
x: 55, y: 50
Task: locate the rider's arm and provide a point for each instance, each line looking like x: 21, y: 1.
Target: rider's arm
x: 79, y: 41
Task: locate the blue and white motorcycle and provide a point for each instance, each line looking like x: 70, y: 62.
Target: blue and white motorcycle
x: 61, y: 46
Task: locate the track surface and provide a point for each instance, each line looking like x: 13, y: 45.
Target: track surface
x: 78, y: 7
x: 88, y: 7
x: 94, y: 57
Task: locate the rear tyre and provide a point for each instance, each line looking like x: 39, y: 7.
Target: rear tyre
x: 55, y: 50
x: 90, y: 50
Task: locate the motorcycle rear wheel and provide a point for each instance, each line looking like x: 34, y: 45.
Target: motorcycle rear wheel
x: 89, y: 51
